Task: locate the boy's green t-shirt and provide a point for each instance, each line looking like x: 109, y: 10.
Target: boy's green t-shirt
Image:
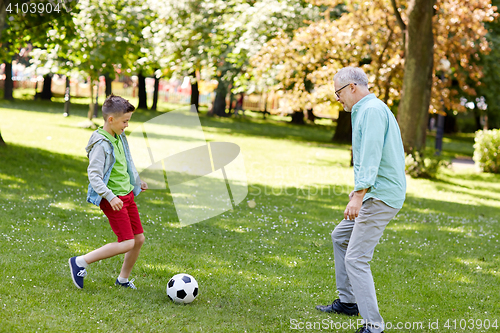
x: 119, y: 180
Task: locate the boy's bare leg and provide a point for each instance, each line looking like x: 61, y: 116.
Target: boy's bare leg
x: 109, y: 250
x: 131, y: 256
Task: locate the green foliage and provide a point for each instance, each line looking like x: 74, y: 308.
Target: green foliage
x: 29, y: 23
x: 108, y: 34
x: 490, y: 81
x: 419, y: 166
x: 487, y: 150
x: 99, y: 37
x: 217, y: 37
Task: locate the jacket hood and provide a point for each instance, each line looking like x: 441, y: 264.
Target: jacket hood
x: 94, y: 138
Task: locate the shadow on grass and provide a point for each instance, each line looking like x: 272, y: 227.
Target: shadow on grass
x: 478, y: 185
x: 56, y: 107
x: 419, y: 205
x: 42, y: 170
x: 254, y: 127
x: 269, y: 129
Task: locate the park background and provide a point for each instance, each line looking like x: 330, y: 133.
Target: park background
x: 435, y: 63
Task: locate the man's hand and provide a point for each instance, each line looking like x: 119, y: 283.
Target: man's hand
x: 144, y: 186
x: 116, y: 204
x: 351, y: 195
x: 354, y: 205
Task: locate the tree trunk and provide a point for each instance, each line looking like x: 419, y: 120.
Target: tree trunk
x: 108, y: 79
x: 298, y: 117
x: 67, y: 97
x: 195, y: 94
x: 265, y: 105
x: 8, y: 83
x: 310, y: 115
x: 413, y: 110
x: 143, y: 97
x: 477, y: 118
x: 2, y: 22
x: 155, y: 93
x: 450, y: 124
x: 343, y: 132
x: 3, y: 5
x: 219, y: 107
x: 231, y: 100
x: 47, y: 87
x: 90, y: 114
x: 96, y: 104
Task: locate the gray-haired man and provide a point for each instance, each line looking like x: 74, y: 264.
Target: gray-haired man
x: 379, y: 193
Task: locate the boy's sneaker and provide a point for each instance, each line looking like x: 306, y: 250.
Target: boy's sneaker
x: 129, y: 284
x: 77, y: 273
x: 338, y: 307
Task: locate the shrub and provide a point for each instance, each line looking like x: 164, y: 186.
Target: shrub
x: 418, y: 166
x: 487, y: 150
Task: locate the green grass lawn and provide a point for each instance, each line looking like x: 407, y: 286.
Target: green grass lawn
x: 259, y: 270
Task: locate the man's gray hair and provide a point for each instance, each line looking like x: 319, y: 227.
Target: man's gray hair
x: 351, y: 75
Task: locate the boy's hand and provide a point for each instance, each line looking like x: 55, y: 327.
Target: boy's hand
x: 116, y: 204
x: 144, y: 186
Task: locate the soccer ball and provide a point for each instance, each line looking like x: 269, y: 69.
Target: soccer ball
x: 182, y: 288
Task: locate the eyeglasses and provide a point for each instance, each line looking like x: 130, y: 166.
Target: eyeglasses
x: 337, y: 91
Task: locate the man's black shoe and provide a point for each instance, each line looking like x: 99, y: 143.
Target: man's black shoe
x: 364, y: 329
x: 338, y: 307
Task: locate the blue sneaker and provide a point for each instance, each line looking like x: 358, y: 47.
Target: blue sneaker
x: 129, y: 284
x: 77, y: 273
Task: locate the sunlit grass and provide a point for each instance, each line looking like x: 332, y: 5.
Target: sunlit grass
x: 259, y: 268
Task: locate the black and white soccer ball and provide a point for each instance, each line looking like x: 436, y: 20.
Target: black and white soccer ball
x: 182, y: 288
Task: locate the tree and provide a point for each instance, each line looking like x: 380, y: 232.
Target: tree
x: 146, y: 64
x: 487, y: 101
x: 256, y: 23
x: 8, y: 84
x: 413, y: 109
x: 216, y: 38
x: 376, y: 36
x: 47, y: 87
x: 173, y: 35
x: 18, y: 28
x: 357, y: 33
x: 106, y: 35
x: 143, y: 103
x: 29, y: 28
x: 157, y: 73
x: 25, y: 27
x: 186, y: 35
x: 459, y: 30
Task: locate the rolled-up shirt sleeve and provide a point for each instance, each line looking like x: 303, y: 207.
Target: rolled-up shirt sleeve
x: 373, y: 130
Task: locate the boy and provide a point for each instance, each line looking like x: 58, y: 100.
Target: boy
x: 114, y: 182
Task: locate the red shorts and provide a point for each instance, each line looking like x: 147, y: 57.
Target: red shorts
x: 125, y: 222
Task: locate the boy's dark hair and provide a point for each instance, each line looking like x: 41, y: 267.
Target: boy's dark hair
x: 116, y: 106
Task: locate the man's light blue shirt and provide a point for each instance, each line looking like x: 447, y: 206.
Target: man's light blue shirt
x: 379, y: 159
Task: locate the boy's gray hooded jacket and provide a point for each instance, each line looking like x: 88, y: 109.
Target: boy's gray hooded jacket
x: 101, y: 161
